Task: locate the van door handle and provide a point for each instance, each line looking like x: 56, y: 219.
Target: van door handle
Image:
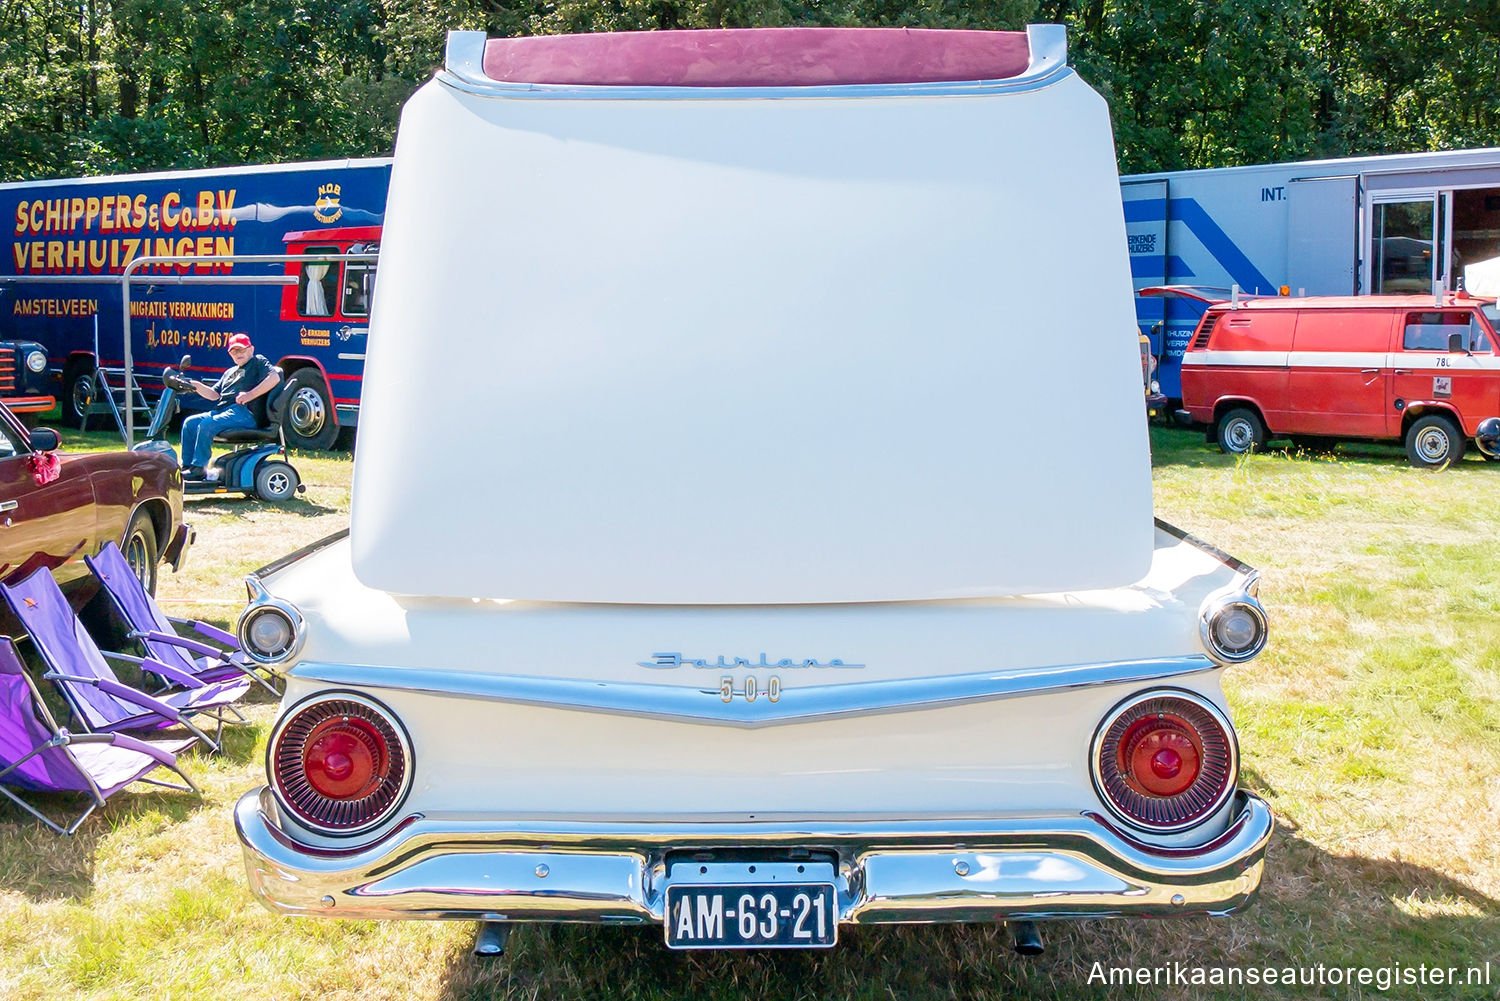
x: 1369, y: 371
x: 1404, y: 371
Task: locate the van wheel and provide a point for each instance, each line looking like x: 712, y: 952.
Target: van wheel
x: 78, y: 390
x: 1240, y: 431
x: 1434, y: 442
x: 307, y: 411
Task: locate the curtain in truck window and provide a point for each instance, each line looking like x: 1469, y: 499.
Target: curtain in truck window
x: 317, y: 284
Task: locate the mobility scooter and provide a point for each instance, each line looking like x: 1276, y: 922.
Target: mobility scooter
x: 258, y: 466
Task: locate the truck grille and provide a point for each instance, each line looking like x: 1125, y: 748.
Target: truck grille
x: 7, y: 371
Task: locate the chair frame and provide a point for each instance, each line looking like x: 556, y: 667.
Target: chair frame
x: 64, y: 739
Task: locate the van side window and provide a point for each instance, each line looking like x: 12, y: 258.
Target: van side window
x: 1429, y: 331
x: 1479, y: 340
x: 318, y: 284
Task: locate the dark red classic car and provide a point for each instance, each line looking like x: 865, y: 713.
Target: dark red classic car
x: 56, y: 508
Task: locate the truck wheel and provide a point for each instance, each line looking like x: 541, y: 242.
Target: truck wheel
x: 1433, y: 442
x: 139, y: 549
x: 78, y: 389
x: 307, y: 415
x: 276, y: 481
x: 1240, y: 431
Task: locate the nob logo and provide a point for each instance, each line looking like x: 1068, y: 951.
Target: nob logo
x: 327, y: 207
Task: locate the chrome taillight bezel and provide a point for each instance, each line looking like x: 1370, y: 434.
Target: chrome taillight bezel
x: 325, y: 815
x: 1218, y: 777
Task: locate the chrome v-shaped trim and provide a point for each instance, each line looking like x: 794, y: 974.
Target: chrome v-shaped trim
x: 797, y: 704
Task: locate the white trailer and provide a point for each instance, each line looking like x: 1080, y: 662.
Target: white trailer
x: 1375, y: 224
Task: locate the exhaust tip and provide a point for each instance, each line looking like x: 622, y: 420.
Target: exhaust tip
x: 489, y: 943
x: 1025, y: 939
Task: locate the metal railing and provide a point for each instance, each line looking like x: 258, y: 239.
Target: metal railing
x: 130, y: 276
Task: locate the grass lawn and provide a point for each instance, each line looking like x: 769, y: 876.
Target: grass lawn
x: 1371, y: 725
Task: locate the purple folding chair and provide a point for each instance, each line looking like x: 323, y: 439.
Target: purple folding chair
x: 95, y: 695
x: 157, y: 633
x: 37, y: 756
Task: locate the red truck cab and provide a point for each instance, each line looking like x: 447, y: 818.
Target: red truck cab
x: 1419, y: 369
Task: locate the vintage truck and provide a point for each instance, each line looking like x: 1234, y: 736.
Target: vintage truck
x: 748, y: 590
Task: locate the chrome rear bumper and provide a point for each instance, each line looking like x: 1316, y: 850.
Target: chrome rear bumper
x: 547, y: 869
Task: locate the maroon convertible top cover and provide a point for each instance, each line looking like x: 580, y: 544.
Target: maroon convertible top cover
x: 758, y: 57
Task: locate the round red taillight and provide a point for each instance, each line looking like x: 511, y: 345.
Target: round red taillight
x: 1165, y: 761
x: 339, y: 763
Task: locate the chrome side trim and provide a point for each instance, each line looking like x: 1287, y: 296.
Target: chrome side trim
x: 1238, y: 566
x: 265, y: 572
x: 698, y: 704
x: 960, y: 869
x: 463, y: 71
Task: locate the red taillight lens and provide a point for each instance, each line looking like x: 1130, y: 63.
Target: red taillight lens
x: 340, y: 764
x: 1165, y: 761
x: 345, y: 758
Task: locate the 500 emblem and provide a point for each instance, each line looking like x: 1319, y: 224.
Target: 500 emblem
x: 749, y: 689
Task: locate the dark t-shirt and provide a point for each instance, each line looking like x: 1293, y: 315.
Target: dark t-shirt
x: 242, y: 379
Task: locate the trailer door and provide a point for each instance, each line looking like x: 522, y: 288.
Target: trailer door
x: 1322, y: 235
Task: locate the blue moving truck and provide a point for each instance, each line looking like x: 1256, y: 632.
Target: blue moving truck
x: 71, y: 239
x: 1362, y: 225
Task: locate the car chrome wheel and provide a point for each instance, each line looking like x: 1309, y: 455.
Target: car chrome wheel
x: 139, y: 550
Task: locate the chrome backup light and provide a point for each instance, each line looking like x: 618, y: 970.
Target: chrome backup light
x: 1164, y: 761
x: 270, y: 630
x: 36, y: 360
x: 339, y: 762
x: 1233, y: 627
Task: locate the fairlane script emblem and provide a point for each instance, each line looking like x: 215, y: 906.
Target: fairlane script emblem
x: 722, y: 663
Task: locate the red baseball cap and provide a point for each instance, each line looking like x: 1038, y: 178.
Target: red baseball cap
x: 239, y: 341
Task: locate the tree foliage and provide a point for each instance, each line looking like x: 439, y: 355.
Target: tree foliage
x: 100, y: 86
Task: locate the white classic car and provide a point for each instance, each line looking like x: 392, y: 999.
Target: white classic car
x: 753, y: 595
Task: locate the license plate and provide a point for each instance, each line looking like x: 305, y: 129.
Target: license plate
x: 751, y: 916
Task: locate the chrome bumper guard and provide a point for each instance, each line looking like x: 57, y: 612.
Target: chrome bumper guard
x: 176, y: 553
x: 980, y: 869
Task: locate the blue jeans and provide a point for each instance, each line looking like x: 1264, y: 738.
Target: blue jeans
x: 198, y: 431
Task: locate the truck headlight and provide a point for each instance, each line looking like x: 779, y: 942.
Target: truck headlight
x: 36, y: 360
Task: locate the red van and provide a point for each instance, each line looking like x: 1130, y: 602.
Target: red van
x: 1415, y: 368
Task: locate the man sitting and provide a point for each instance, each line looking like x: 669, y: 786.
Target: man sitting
x: 239, y: 399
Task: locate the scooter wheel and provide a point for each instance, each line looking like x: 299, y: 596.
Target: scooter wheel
x: 276, y: 481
